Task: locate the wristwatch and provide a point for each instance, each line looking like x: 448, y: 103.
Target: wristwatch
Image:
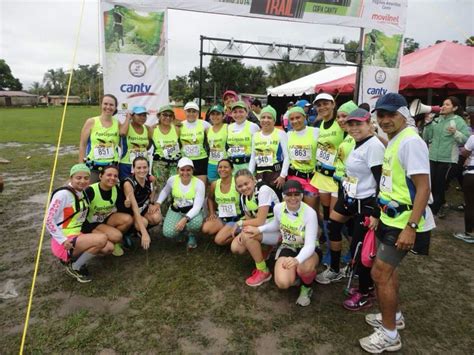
x: 412, y: 225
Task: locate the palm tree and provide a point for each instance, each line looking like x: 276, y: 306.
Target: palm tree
x: 55, y: 81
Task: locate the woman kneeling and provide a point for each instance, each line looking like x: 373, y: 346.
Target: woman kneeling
x: 66, y: 214
x: 298, y: 254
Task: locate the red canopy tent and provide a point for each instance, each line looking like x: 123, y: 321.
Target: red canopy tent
x: 445, y: 65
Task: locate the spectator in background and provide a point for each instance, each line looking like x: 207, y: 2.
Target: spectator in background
x: 443, y: 134
x: 255, y: 109
x: 228, y: 99
x: 310, y: 113
x: 285, y: 121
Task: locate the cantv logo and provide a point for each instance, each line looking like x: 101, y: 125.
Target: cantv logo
x: 376, y: 92
x: 137, y: 89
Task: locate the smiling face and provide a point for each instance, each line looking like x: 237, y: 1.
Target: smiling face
x: 140, y: 168
x: 390, y: 122
x: 341, y: 119
x: 359, y: 130
x: 239, y: 114
x: 191, y: 115
x: 297, y: 121
x: 293, y: 200
x: 325, y: 109
x: 108, y: 106
x: 448, y: 107
x: 185, y: 173
x: 267, y: 122
x: 216, y: 118
x: 108, y: 178
x: 224, y: 169
x: 166, y: 117
x: 245, y: 185
x: 80, y: 180
x: 139, y: 118
x: 229, y: 99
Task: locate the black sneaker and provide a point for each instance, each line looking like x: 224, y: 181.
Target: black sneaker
x: 81, y: 275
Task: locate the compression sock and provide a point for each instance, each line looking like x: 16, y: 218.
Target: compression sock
x: 307, y: 278
x: 335, y: 260
x: 82, y: 260
x: 262, y: 266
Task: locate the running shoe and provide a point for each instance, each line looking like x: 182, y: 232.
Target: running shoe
x: 304, y: 299
x: 378, y: 342
x: 463, y: 236
x: 375, y: 320
x: 357, y: 302
x: 258, y: 277
x: 80, y: 275
x: 328, y: 276
x: 118, y: 251
x: 353, y: 290
x: 192, y: 243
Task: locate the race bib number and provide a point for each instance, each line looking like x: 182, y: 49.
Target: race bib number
x: 300, y: 154
x: 191, y: 150
x: 182, y: 202
x: 350, y: 186
x: 386, y: 181
x: 227, y: 210
x: 137, y: 153
x: 290, y: 238
x: 170, y: 151
x: 236, y: 151
x: 264, y: 160
x: 216, y: 155
x: 325, y: 156
x: 104, y: 152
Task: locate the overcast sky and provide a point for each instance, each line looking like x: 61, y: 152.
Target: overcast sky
x: 36, y: 35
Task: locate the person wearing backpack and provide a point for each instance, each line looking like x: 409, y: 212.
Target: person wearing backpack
x: 66, y: 213
x: 357, y: 200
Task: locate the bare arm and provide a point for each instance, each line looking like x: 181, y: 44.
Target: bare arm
x: 123, y: 130
x: 211, y: 203
x: 85, y: 134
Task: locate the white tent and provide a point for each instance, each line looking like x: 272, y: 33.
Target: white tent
x: 306, y: 84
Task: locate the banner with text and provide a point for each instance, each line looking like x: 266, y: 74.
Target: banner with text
x: 381, y: 63
x: 135, y: 61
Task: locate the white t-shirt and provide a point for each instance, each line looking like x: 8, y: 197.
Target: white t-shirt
x: 198, y: 199
x: 360, y: 179
x: 470, y: 160
x: 310, y: 220
x: 284, y: 148
x: 414, y: 158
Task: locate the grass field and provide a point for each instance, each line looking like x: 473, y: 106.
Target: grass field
x: 168, y: 300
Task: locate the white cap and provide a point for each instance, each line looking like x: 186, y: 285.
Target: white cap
x: 185, y: 162
x: 324, y: 96
x: 191, y: 106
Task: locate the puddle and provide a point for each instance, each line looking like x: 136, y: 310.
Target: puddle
x: 48, y: 149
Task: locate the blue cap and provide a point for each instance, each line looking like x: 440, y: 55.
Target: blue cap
x: 390, y: 102
x: 302, y: 103
x: 138, y: 110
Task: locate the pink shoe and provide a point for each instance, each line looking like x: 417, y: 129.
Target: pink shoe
x: 258, y: 277
x: 353, y: 290
x: 357, y: 301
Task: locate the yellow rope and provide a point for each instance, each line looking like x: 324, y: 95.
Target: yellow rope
x: 38, y: 253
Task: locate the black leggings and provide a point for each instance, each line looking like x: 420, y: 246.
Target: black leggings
x: 365, y: 280
x: 439, y: 180
x: 468, y: 190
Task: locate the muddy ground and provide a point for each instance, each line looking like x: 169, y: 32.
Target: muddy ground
x: 168, y: 300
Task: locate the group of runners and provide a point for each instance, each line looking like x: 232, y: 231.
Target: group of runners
x: 260, y: 190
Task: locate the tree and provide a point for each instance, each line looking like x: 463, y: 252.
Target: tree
x: 7, y: 80
x: 180, y: 89
x: 87, y: 82
x: 55, y: 81
x: 37, y: 89
x: 409, y: 45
